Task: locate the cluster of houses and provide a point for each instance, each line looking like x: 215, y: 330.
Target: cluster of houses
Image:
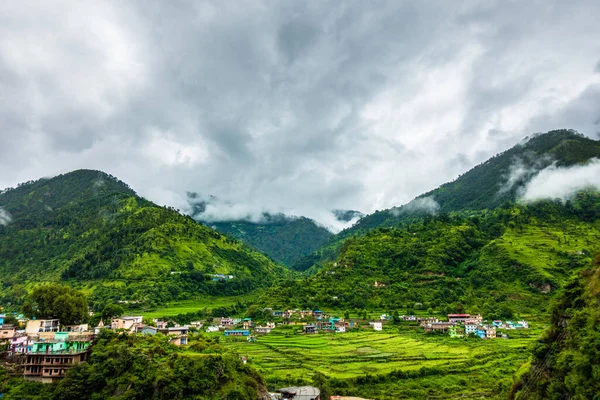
x: 459, y: 325
x: 45, y: 349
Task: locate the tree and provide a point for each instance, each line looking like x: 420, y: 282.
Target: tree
x: 111, y: 311
x: 57, y: 301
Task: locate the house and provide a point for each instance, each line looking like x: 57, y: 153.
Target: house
x: 486, y: 332
x: 524, y: 324
x: 409, y: 318
x: 309, y: 328
x: 42, y: 325
x: 438, y: 326
x: 212, y: 329
x: 7, y: 332
x: 2, y: 316
x: 76, y: 328
x: 262, y: 330
x: 300, y: 393
x: 247, y: 323
x: 306, y: 313
x: 379, y: 284
x: 340, y: 328
x: 146, y: 329
x: 226, y: 322
x: 160, y: 324
x: 177, y: 335
x: 20, y: 343
x: 49, y: 359
x: 126, y: 322
x: 237, y: 332
x: 197, y: 324
x: 458, y: 317
x: 497, y: 323
x: 470, y: 329
x: 287, y: 314
x: 278, y: 314
x: 377, y: 325
x: 317, y: 314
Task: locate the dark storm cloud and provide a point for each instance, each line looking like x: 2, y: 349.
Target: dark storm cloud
x: 299, y: 107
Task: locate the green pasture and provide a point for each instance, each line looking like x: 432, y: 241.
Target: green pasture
x: 465, y: 365
x: 193, y: 305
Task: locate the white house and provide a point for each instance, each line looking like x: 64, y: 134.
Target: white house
x: 470, y: 329
x: 212, y: 329
x: 377, y: 326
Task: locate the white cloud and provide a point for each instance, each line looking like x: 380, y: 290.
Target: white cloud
x: 5, y: 217
x: 562, y: 183
x: 288, y: 106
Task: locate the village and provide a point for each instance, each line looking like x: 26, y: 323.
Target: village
x: 315, y: 321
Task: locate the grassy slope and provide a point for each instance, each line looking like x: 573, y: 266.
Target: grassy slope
x: 91, y: 229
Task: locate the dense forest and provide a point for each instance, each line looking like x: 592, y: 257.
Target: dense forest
x: 91, y: 230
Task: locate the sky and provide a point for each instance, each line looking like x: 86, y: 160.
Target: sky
x: 298, y: 107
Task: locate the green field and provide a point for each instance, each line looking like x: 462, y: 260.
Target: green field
x: 431, y: 366
x: 193, y: 305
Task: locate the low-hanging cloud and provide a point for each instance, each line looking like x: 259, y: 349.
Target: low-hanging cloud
x: 426, y: 205
x: 5, y: 217
x: 562, y: 182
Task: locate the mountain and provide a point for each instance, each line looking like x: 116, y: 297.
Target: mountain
x: 500, y: 180
x: 566, y: 359
x: 285, y: 239
x: 494, y: 182
x: 499, y: 262
x: 88, y: 228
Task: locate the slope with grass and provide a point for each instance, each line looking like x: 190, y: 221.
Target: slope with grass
x: 90, y: 229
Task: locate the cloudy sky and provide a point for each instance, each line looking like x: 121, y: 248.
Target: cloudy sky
x: 293, y: 106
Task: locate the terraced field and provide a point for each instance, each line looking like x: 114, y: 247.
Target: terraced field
x: 413, y: 360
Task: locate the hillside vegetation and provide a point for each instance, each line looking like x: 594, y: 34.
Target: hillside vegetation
x: 497, y: 262
x: 566, y: 360
x: 90, y: 229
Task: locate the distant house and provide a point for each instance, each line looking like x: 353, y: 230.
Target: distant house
x: 486, y: 332
x: 226, y: 322
x: 177, y: 335
x: 306, y: 313
x: 300, y: 393
x: 42, y: 325
x: 247, y: 323
x: 317, y: 314
x: 379, y: 284
x: 377, y: 325
x: 262, y: 330
x: 197, y: 324
x: 340, y: 328
x: 237, y: 332
x: 278, y: 314
x: 125, y: 322
x: 438, y: 326
x: 2, y: 316
x: 497, y: 323
x: 76, y: 328
x: 409, y: 318
x: 470, y: 329
x: 7, y: 332
x: 523, y: 324
x: 212, y: 329
x: 146, y: 329
x: 309, y: 328
x: 458, y: 317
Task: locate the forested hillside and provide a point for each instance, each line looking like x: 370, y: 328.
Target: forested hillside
x: 512, y: 259
x: 284, y: 239
x: 566, y: 360
x: 90, y: 229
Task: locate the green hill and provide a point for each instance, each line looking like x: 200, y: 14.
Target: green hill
x: 498, y: 262
x: 566, y: 360
x: 88, y: 228
x: 285, y: 239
